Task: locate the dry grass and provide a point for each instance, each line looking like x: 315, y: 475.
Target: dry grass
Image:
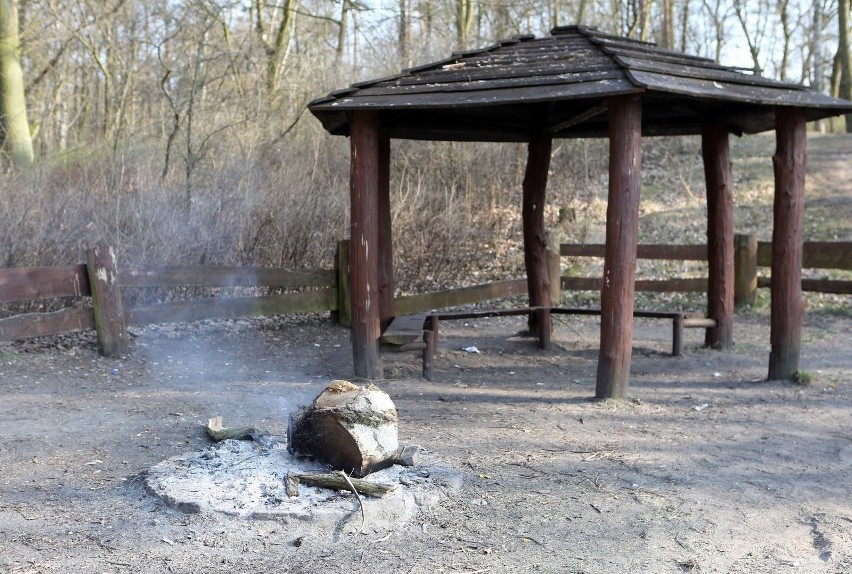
x: 456, y: 207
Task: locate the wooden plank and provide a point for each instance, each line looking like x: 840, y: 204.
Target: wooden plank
x: 731, y: 92
x: 622, y: 226
x: 38, y: 283
x: 647, y: 251
x: 404, y: 329
x: 836, y: 286
x: 827, y: 255
x: 315, y: 301
x: 42, y: 324
x: 478, y: 79
x: 787, y: 304
x: 675, y: 67
x: 110, y: 324
x: 486, y: 97
x: 674, y: 285
x: 411, y: 304
x: 222, y: 276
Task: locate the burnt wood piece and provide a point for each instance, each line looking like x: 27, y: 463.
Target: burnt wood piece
x: 716, y: 153
x: 110, y: 323
x: 334, y: 482
x: 364, y: 245
x: 787, y: 306
x: 535, y: 236
x: 622, y: 226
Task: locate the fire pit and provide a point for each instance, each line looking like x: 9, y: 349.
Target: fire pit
x: 348, y: 431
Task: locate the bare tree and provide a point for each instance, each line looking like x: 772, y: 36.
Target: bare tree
x: 17, y: 144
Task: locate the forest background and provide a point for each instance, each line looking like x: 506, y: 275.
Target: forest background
x: 178, y: 132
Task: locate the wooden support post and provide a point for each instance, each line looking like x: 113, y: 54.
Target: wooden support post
x: 622, y: 228
x: 745, y: 269
x: 364, y: 249
x: 787, y: 307
x: 677, y: 336
x: 343, y: 315
x: 535, y: 237
x: 720, y: 235
x: 110, y: 322
x: 554, y: 268
x: 385, y: 248
x: 430, y: 336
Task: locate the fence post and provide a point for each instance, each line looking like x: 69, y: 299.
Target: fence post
x: 344, y: 302
x: 110, y: 323
x: 745, y: 269
x: 554, y: 269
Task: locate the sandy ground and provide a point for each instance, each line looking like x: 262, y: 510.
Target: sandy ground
x: 708, y: 468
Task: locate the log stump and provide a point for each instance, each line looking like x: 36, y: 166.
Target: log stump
x: 351, y: 428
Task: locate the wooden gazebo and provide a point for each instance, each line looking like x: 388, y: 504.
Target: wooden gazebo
x: 580, y: 82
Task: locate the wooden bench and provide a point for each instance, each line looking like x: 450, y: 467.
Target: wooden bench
x: 420, y: 332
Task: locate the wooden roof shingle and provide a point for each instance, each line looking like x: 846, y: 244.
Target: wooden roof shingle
x: 559, y: 84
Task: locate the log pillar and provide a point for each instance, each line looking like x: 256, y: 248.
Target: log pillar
x: 716, y: 152
x: 364, y: 244
x: 622, y: 228
x: 535, y: 236
x: 385, y: 248
x: 787, y: 307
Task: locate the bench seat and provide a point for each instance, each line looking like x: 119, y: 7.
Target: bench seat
x: 419, y: 332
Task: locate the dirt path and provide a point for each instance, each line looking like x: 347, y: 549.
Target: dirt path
x: 707, y: 469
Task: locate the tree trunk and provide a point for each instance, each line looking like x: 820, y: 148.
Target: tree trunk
x: 17, y: 143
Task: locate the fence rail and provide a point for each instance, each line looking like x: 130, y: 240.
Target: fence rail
x: 326, y: 290
x: 751, y: 256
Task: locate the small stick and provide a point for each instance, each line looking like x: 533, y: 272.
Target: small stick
x: 360, y: 502
x: 334, y: 481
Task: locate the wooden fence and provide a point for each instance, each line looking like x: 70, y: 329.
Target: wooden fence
x: 750, y: 255
x: 95, y: 288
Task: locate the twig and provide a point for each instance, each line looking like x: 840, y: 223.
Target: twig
x: 382, y: 539
x: 360, y: 502
x: 528, y: 537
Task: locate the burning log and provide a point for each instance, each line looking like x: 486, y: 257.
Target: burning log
x: 352, y: 428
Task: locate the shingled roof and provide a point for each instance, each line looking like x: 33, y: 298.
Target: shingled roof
x: 559, y: 84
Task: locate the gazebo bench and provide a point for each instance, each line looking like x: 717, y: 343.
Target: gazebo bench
x: 419, y: 332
